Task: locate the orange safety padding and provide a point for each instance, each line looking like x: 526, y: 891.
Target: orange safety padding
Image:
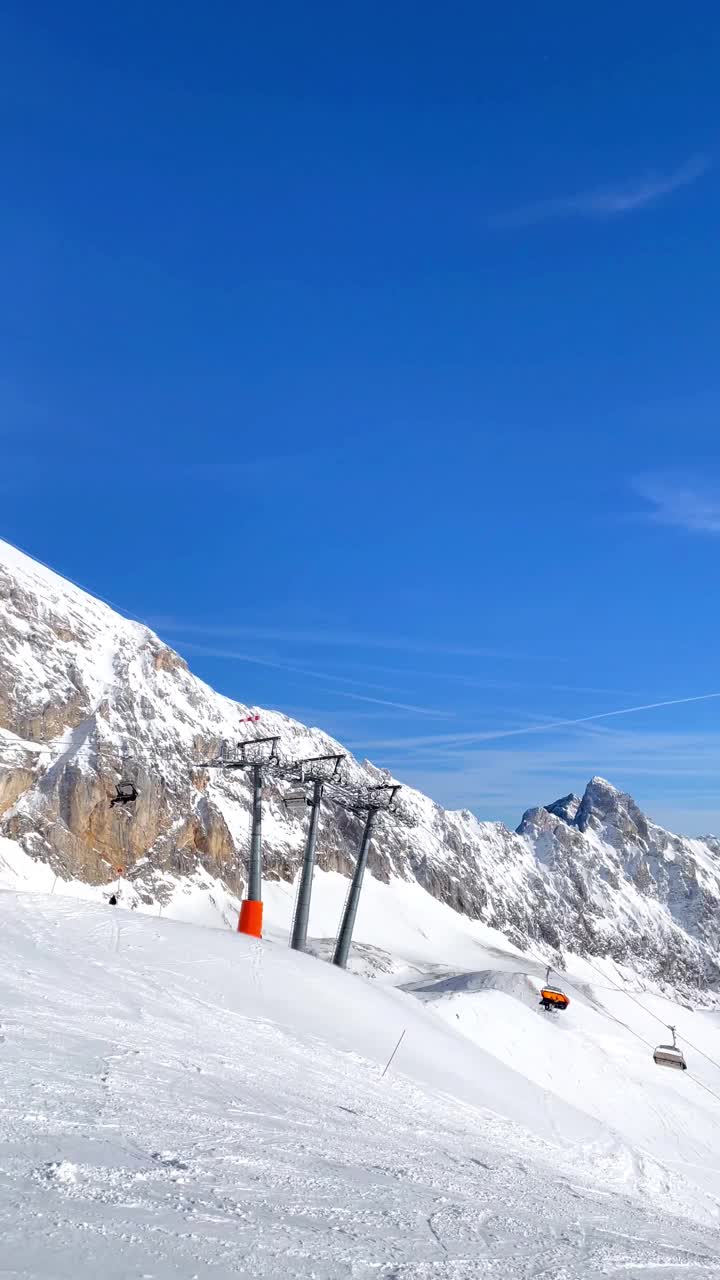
x: 251, y: 918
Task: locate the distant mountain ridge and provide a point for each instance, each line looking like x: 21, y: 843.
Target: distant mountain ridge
x: 85, y: 694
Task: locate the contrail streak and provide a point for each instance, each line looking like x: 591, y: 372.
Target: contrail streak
x: 600, y: 715
x: 399, y: 706
x: 493, y: 735
x: 205, y: 652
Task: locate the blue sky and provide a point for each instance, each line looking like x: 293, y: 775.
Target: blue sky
x: 370, y: 354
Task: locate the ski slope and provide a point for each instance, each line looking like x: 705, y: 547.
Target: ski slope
x: 185, y: 1102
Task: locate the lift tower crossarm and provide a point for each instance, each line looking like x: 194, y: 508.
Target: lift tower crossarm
x: 247, y: 763
x: 309, y: 769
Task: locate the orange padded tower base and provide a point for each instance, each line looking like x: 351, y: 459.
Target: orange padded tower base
x: 251, y: 917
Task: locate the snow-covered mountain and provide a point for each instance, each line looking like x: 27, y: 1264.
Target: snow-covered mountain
x: 86, y: 694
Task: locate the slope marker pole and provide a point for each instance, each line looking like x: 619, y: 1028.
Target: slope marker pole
x: 392, y: 1055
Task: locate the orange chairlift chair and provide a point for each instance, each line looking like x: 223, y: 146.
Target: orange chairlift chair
x: 552, y: 998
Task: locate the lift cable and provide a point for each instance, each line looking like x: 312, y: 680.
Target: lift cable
x: 645, y: 1009
x: 623, y: 991
x: 694, y: 1078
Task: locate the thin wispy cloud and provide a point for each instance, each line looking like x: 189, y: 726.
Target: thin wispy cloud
x: 684, y: 502
x: 334, y: 720
x: 233, y: 656
x: 89, y: 461
x: 335, y: 639
x: 470, y: 683
x: 672, y: 776
x: 495, y: 735
x: 608, y: 202
x: 398, y: 706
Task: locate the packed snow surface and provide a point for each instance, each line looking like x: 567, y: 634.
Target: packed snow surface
x: 186, y: 1102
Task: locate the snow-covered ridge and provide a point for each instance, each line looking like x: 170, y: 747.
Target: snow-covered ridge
x: 85, y: 692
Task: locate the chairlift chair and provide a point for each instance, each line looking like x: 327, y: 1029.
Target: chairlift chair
x: 125, y: 793
x: 552, y: 997
x: 295, y: 801
x: 670, y: 1055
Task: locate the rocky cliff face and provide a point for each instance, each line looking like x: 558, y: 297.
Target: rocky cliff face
x: 630, y: 889
x: 87, y: 696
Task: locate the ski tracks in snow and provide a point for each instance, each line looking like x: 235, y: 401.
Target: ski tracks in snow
x: 151, y: 1130
x: 289, y: 1166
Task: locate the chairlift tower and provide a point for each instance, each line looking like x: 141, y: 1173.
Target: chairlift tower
x: 369, y: 801
x: 254, y: 755
x: 319, y: 770
x: 260, y: 757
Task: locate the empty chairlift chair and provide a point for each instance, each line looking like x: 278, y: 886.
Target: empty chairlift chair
x: 552, y: 998
x: 295, y: 801
x: 670, y: 1055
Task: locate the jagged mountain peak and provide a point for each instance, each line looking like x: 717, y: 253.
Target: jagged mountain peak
x: 602, y: 807
x: 611, y: 813
x: 566, y: 807
x: 601, y: 786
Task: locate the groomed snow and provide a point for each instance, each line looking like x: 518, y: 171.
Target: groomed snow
x: 185, y: 1102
